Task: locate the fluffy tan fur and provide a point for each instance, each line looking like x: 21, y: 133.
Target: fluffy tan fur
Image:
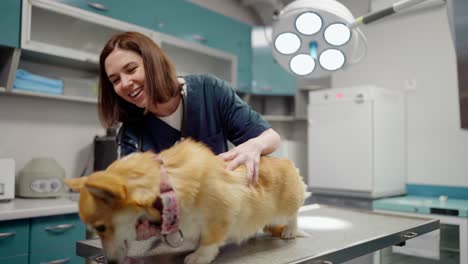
x: 217, y: 206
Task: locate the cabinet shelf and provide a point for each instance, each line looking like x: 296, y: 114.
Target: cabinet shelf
x: 279, y: 118
x: 52, y: 96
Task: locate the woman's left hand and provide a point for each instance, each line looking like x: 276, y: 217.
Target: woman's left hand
x: 247, y: 153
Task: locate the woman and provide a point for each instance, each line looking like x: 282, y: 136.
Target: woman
x: 140, y: 88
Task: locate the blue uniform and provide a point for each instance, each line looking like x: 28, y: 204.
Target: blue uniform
x: 215, y: 114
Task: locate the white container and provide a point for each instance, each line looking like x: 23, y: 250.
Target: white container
x: 356, y: 142
x: 7, y: 179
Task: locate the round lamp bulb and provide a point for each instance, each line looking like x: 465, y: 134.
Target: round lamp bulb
x: 308, y: 23
x: 287, y: 43
x: 302, y: 64
x: 332, y: 59
x: 337, y: 34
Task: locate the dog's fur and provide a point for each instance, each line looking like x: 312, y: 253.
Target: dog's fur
x: 217, y: 206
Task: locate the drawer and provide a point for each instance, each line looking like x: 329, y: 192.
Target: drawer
x: 54, y: 239
x: 14, y: 238
x: 23, y: 259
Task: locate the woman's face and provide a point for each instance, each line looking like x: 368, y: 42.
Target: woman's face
x: 126, y: 72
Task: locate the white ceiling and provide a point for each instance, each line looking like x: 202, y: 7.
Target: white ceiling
x: 260, y: 12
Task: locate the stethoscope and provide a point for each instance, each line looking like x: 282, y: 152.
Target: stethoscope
x: 183, y: 127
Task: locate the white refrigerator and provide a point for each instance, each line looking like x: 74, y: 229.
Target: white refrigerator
x: 356, y: 142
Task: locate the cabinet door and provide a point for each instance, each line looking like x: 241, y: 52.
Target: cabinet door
x: 340, y: 148
x: 14, y: 238
x: 53, y: 239
x: 268, y: 78
x: 184, y: 20
x: 144, y: 13
x: 15, y: 260
x: 10, y: 22
x: 238, y: 43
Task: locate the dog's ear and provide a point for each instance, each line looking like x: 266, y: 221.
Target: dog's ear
x: 106, y: 187
x: 75, y: 183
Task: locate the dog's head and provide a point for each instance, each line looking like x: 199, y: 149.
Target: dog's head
x: 113, y: 202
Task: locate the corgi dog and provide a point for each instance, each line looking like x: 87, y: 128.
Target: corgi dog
x: 186, y: 190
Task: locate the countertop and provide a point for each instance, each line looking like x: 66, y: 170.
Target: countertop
x: 424, y: 205
x: 20, y: 208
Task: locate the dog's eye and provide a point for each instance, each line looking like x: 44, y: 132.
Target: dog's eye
x: 100, y: 228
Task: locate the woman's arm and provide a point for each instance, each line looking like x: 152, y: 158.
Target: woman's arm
x: 249, y: 153
x: 269, y: 141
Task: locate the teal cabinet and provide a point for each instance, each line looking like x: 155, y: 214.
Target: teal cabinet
x: 53, y: 239
x: 14, y: 239
x: 268, y: 77
x: 39, y: 240
x: 15, y: 260
x: 142, y: 12
x: 10, y: 23
x: 194, y: 23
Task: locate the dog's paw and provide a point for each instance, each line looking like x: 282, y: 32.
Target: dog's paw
x: 200, y: 257
x: 289, y: 232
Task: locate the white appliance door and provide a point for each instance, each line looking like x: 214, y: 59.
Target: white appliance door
x: 340, y: 145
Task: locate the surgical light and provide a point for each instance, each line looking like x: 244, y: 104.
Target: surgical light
x: 308, y: 23
x: 313, y: 38
x: 287, y: 43
x: 332, y: 59
x: 337, y: 34
x: 302, y: 64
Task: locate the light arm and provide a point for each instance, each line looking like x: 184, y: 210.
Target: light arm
x: 395, y: 8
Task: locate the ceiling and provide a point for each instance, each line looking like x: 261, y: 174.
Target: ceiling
x: 265, y: 9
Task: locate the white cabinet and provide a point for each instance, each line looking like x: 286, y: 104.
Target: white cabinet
x: 356, y: 142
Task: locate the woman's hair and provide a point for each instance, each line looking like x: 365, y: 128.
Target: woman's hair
x: 160, y: 79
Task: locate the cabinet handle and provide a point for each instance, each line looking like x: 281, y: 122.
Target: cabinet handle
x: 410, y: 235
x: 9, y: 234
x: 59, y: 227
x: 58, y: 261
x: 97, y: 6
x: 199, y: 38
x: 99, y: 258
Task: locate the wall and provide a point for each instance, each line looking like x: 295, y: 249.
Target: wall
x: 414, y: 52
x: 37, y: 127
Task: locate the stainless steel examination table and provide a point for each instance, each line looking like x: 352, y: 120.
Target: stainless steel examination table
x: 336, y: 235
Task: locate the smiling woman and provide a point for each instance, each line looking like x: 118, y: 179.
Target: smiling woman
x: 139, y: 88
x: 126, y: 72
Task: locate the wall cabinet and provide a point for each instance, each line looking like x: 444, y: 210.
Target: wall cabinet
x: 70, y: 51
x: 41, y: 240
x: 68, y: 32
x: 185, y: 21
x: 52, y: 239
x: 14, y: 240
x: 10, y: 22
x: 268, y: 77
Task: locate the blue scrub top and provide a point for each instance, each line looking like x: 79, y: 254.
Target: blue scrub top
x: 215, y: 114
